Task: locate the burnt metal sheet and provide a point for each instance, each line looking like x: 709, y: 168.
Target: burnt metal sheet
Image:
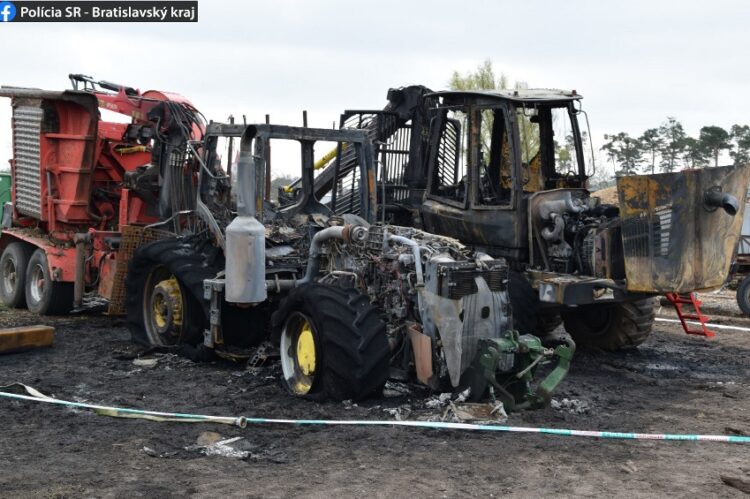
x: 672, y: 241
x: 517, y: 95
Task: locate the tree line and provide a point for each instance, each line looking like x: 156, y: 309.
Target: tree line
x: 669, y: 148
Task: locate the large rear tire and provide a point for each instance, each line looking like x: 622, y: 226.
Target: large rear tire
x: 43, y: 295
x: 164, y: 293
x: 13, y: 264
x: 333, y: 343
x: 611, y: 327
x: 743, y: 295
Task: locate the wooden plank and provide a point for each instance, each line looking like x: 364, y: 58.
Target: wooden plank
x: 22, y: 338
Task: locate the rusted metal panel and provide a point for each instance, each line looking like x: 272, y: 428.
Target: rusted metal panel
x: 132, y: 238
x: 672, y: 240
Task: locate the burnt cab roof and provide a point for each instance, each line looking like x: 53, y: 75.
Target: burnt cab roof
x: 526, y: 95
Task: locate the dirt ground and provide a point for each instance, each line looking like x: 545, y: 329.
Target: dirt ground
x: 673, y: 383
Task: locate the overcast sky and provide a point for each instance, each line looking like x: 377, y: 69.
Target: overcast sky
x: 635, y: 62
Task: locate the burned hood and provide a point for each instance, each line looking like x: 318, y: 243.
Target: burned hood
x: 680, y: 230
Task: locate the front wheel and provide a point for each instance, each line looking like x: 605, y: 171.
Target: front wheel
x: 333, y: 343
x: 611, y: 327
x: 43, y: 295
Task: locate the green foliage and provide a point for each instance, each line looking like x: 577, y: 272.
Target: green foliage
x: 676, y: 149
x: 695, y: 154
x: 669, y: 143
x: 712, y: 140
x: 624, y: 151
x: 673, y: 136
x: 483, y: 78
x: 651, y: 142
x: 740, y: 138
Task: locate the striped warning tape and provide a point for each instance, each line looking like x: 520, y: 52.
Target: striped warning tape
x: 242, y: 422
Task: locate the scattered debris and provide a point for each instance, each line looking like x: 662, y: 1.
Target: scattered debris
x: 400, y: 413
x: 222, y: 448
x: 438, y: 401
x: 629, y: 467
x: 573, y: 406
x: 263, y: 352
x: 476, y: 413
x: 208, y: 438
x: 395, y: 389
x: 145, y: 362
x: 153, y: 453
x: 210, y: 443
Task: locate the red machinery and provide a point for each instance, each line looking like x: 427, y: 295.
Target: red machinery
x: 79, y: 180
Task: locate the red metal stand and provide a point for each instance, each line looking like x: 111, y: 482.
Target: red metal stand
x: 680, y: 299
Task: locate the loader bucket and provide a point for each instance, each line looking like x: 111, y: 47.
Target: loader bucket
x: 680, y: 230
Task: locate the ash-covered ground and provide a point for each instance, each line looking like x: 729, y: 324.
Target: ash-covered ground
x: 673, y: 383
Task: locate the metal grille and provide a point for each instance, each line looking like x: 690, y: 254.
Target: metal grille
x: 635, y: 236
x: 347, y: 193
x: 462, y: 282
x: 447, y: 158
x: 394, y: 160
x: 393, y: 155
x: 646, y: 236
x: 662, y: 230
x: 26, y: 131
x: 132, y: 238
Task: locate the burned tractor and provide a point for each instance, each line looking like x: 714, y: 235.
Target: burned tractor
x: 349, y: 301
x: 505, y: 172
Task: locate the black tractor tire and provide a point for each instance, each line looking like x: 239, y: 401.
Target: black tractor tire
x: 743, y: 295
x: 524, y: 304
x: 43, y: 295
x: 352, y: 357
x: 613, y: 327
x: 13, y: 264
x: 548, y: 321
x: 189, y: 263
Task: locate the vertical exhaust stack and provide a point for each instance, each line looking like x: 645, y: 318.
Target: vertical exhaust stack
x: 245, y: 236
x: 680, y: 230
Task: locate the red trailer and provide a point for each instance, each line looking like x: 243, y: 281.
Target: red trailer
x: 79, y: 181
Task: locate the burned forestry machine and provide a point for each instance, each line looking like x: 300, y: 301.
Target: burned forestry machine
x: 213, y: 266
x: 505, y: 173
x: 348, y: 301
x: 84, y: 188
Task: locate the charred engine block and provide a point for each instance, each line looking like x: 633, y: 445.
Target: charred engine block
x: 431, y: 287
x: 573, y: 233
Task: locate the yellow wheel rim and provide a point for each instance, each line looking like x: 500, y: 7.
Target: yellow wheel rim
x: 166, y: 305
x: 299, y: 355
x: 160, y: 314
x: 306, y: 350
